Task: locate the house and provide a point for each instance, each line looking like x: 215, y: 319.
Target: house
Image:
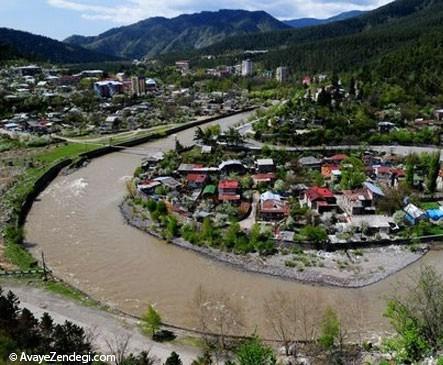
x: 263, y: 178
x: 182, y: 65
x: 438, y: 114
x: 337, y: 159
x: 185, y: 168
x: 331, y: 171
x: 389, y: 174
x: 385, y: 127
x: 148, y: 186
x: 357, y: 202
x: 169, y: 182
x: 310, y: 162
x: 228, y: 190
x: 196, y: 181
x: 272, y: 207
x: 319, y: 199
x: 375, y: 191
x: 151, y: 84
x: 413, y: 214
x: 232, y: 166
x: 111, y: 124
x: 264, y: 165
x: 374, y: 224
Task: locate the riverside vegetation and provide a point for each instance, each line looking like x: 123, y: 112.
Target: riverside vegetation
x: 416, y: 318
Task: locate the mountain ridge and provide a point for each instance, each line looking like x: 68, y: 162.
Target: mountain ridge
x: 21, y: 44
x: 309, y: 22
x: 389, y: 13
x: 160, y: 35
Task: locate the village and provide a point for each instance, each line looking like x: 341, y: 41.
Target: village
x: 48, y: 101
x: 341, y: 214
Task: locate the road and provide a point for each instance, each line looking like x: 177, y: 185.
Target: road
x: 395, y: 149
x: 249, y: 221
x: 104, y: 327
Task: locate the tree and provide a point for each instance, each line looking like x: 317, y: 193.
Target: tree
x: 118, y: 346
x: 255, y: 233
x: 246, y: 182
x: 204, y: 359
x: 254, y: 352
x: 434, y: 169
x: 151, y: 320
x: 314, y: 234
x: 352, y: 173
x: 218, y: 313
x: 207, y: 231
x: 231, y: 235
x: 330, y: 329
x: 279, y: 185
x: 417, y: 317
x: 172, y: 228
x: 410, y: 174
x: 233, y: 136
x: 173, y: 359
x: 281, y: 314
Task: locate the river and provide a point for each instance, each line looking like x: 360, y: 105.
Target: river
x: 77, y: 223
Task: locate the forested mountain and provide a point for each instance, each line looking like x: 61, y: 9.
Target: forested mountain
x: 391, y: 15
x: 160, y: 35
x: 18, y: 44
x: 398, y: 44
x: 309, y: 22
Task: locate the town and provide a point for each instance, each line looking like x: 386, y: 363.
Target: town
x: 189, y: 184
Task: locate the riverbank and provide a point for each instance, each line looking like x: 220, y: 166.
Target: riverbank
x: 346, y: 269
x: 16, y: 202
x: 104, y: 327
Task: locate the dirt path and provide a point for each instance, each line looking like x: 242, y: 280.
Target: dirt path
x: 102, y: 325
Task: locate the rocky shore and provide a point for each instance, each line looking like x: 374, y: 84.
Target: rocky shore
x: 349, y: 269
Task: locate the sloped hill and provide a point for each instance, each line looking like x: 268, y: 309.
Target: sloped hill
x: 159, y: 35
x: 391, y: 13
x: 14, y: 43
x: 310, y: 22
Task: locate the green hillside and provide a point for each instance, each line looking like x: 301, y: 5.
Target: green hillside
x: 159, y: 35
x: 18, y: 44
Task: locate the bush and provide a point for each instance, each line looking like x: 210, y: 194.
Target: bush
x: 330, y: 329
x: 163, y: 336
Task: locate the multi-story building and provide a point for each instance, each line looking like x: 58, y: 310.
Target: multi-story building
x: 108, y: 88
x: 182, y: 66
x: 282, y: 74
x: 246, y: 68
x: 138, y: 85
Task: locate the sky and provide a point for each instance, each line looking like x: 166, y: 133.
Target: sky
x: 61, y: 18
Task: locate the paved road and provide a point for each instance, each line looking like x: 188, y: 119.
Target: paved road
x: 104, y: 327
x: 396, y: 149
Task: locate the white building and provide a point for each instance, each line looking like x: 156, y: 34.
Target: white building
x: 282, y: 74
x: 246, y: 67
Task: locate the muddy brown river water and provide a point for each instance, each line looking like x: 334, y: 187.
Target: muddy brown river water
x: 77, y: 223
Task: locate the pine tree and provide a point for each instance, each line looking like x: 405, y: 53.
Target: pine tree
x: 173, y: 359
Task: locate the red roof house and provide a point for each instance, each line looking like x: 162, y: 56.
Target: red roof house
x: 196, y: 180
x: 320, y: 199
x: 228, y: 190
x: 337, y: 159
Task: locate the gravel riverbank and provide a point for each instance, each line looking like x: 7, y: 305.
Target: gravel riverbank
x: 349, y: 269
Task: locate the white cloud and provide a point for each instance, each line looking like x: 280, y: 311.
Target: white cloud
x: 130, y: 11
